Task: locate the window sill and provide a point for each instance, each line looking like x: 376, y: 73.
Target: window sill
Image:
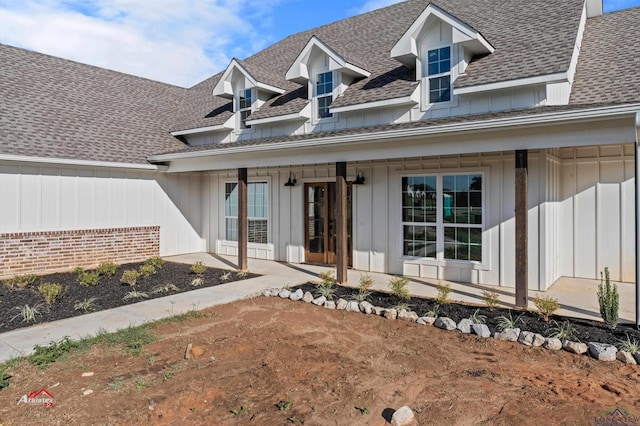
x: 462, y: 264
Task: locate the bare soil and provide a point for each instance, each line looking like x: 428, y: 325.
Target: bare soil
x: 258, y: 352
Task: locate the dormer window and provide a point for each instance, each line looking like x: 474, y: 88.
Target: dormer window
x: 324, y: 94
x: 244, y: 107
x: 439, y: 72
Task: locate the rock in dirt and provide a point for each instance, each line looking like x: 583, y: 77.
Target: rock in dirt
x: 366, y: 307
x: 378, y: 310
x: 319, y: 300
x: 390, y: 314
x: 270, y: 292
x: 87, y: 374
x: 426, y: 320
x: 308, y: 297
x: 531, y: 339
x: 637, y: 357
x: 553, y: 344
x: 341, y: 305
x: 465, y: 325
x: 353, y: 306
x: 407, y: 316
x: 87, y: 392
x: 403, y: 417
x: 187, y: 352
x: 626, y: 357
x: 575, y: 347
x: 445, y: 323
x: 296, y: 295
x: 330, y: 304
x: 284, y: 293
x: 481, y: 330
x: 196, y: 351
x: 602, y: 351
x: 508, y: 334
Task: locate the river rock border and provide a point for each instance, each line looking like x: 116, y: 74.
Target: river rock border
x: 600, y: 351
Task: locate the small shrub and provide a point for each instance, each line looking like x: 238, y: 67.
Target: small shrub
x: 546, y: 306
x: 107, y: 269
x: 20, y: 281
x: 402, y: 307
x: 398, y: 286
x: 361, y: 296
x: 608, y: 299
x: 146, y: 271
x: 363, y: 410
x: 284, y: 405
x: 433, y: 311
x: 563, y: 331
x: 4, y: 377
x: 77, y: 270
x: 156, y: 262
x: 130, y: 277
x: 366, y: 282
x: 505, y: 322
x: 328, y: 278
x: 28, y: 313
x: 242, y: 274
x: 198, y: 268
x: 478, y: 318
x: 50, y: 291
x: 629, y: 345
x: 197, y: 281
x: 326, y: 291
x: 164, y: 288
x: 226, y: 276
x: 491, y: 299
x: 135, y: 294
x: 443, y: 293
x: 238, y: 411
x: 86, y: 305
x: 89, y: 279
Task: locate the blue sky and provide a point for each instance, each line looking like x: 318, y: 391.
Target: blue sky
x: 181, y: 42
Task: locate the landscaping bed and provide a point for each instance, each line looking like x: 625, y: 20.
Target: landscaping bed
x: 109, y: 292
x: 584, y: 330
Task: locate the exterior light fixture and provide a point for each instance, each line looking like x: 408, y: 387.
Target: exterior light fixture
x: 292, y: 180
x: 359, y: 178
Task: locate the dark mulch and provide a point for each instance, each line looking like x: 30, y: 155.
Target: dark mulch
x: 585, y: 330
x: 109, y: 292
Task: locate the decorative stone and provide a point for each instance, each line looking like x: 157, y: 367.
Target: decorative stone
x: 426, y: 320
x: 412, y: 316
x: 390, y: 314
x: 330, y: 304
x: 637, y: 357
x: 553, y: 344
x: 508, y: 334
x: 319, y: 300
x: 284, y: 293
x: 465, y: 325
x: 296, y: 295
x: 366, y: 307
x: 445, y: 323
x: 342, y: 304
x: 353, y: 306
x: 267, y: 292
x: 626, y: 357
x: 481, y: 330
x: 87, y: 392
x: 575, y: 347
x: 378, y: 310
x: 406, y: 315
x: 403, y: 417
x: 531, y: 339
x: 602, y: 351
x: 308, y: 297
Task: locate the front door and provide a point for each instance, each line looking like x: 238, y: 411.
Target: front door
x: 320, y: 224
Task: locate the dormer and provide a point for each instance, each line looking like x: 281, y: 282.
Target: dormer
x: 326, y: 73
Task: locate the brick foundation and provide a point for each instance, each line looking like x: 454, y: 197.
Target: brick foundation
x: 46, y: 252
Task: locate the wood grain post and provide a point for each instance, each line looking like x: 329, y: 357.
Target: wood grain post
x: 243, y: 223
x: 522, y: 242
x: 342, y: 258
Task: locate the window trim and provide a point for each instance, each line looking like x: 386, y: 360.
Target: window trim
x: 240, y: 110
x: 440, y: 260
x: 223, y: 231
x: 314, y: 87
x: 426, y: 79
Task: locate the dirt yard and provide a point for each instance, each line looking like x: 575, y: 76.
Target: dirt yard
x: 327, y: 367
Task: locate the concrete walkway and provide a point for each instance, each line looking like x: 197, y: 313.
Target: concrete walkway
x: 577, y: 298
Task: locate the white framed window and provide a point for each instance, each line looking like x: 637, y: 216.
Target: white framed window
x: 324, y: 94
x: 257, y: 212
x: 439, y: 74
x: 245, y: 101
x: 443, y: 216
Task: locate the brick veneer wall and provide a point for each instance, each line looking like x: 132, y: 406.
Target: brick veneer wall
x: 59, y: 251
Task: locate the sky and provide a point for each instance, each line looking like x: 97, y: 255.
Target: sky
x: 180, y: 42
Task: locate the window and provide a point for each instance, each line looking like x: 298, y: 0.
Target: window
x: 455, y: 233
x: 324, y: 94
x: 257, y: 212
x: 439, y: 71
x: 244, y: 106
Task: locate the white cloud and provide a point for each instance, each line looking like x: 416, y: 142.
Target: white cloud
x: 370, y: 5
x: 176, y: 41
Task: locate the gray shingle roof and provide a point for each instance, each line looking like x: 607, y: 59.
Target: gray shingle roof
x: 609, y: 64
x: 52, y: 107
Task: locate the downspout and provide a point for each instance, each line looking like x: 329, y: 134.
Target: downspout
x: 637, y: 217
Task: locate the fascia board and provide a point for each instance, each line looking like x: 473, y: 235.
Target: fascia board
x: 543, y: 79
x: 276, y: 119
x: 226, y: 126
x: 85, y: 163
x: 407, y: 100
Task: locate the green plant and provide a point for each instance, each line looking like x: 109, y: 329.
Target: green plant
x: 242, y: 274
x: 609, y: 300
x: 398, y: 286
x: 366, y: 282
x: 292, y: 419
x: 491, y: 299
x: 146, y: 270
x: 433, y: 311
x: 77, y: 270
x: 239, y: 411
x: 629, y: 345
x: 197, y: 281
x: 4, y: 377
x: 226, y: 276
x: 168, y: 375
x: 546, y: 306
x: 505, y: 322
x: 50, y: 291
x: 443, y: 293
x: 135, y: 294
x: 363, y: 410
x: 156, y: 262
x: 86, y: 305
x: 478, y: 318
x: 44, y: 355
x: 131, y: 338
x: 402, y: 307
x: 284, y: 405
x: 20, y: 281
x: 130, y: 277
x: 328, y: 278
x: 198, y: 268
x: 562, y: 331
x: 107, y: 269
x: 89, y: 279
x: 361, y: 296
x: 326, y: 291
x: 164, y: 288
x: 117, y: 383
x: 140, y: 384
x: 28, y: 313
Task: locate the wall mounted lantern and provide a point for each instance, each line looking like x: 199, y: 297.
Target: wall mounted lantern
x: 292, y: 180
x: 359, y: 178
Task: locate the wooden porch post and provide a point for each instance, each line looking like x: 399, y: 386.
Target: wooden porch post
x: 242, y: 219
x: 342, y: 259
x: 522, y: 284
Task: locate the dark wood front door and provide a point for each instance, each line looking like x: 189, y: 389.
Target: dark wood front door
x: 320, y: 224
